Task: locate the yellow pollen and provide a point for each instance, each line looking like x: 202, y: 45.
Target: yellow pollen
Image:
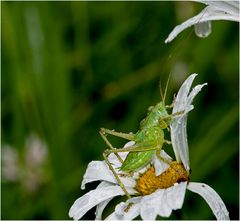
x: 148, y: 182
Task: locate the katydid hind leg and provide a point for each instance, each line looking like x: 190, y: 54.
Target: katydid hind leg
x: 118, y: 134
x: 110, y: 145
x: 134, y: 148
x: 105, y: 156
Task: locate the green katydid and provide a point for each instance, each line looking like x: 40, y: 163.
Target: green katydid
x: 148, y: 139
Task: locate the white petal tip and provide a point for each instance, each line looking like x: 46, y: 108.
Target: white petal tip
x: 167, y: 41
x: 212, y: 198
x: 183, y: 102
x: 222, y: 10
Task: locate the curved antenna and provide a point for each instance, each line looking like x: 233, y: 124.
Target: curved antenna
x: 163, y: 95
x: 165, y: 91
x: 161, y: 92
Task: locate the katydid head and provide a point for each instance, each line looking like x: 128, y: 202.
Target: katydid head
x: 164, y: 119
x: 157, y: 116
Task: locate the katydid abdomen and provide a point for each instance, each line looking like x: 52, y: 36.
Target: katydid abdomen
x: 136, y: 160
x: 145, y: 138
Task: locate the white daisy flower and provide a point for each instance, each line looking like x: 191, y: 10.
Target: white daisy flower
x: 157, y: 189
x: 144, y: 185
x: 215, y: 10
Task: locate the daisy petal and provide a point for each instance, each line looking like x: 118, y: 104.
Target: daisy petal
x: 181, y: 101
x: 212, y: 198
x: 159, y: 165
x: 175, y: 195
x: 231, y: 7
x: 194, y: 92
x: 149, y: 207
x: 113, y: 216
x: 93, y: 198
x: 129, y: 144
x: 179, y: 141
x: 128, y: 210
x: 114, y: 160
x: 164, y: 210
x: 97, y: 170
x: 210, y: 13
x: 155, y: 204
x: 178, y: 127
x: 101, y: 206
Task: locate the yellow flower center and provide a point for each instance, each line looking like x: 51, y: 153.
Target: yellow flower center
x: 148, y: 182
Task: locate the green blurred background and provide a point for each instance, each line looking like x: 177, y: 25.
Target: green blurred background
x: 69, y: 68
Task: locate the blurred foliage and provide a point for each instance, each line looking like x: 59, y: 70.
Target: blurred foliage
x: 69, y: 68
